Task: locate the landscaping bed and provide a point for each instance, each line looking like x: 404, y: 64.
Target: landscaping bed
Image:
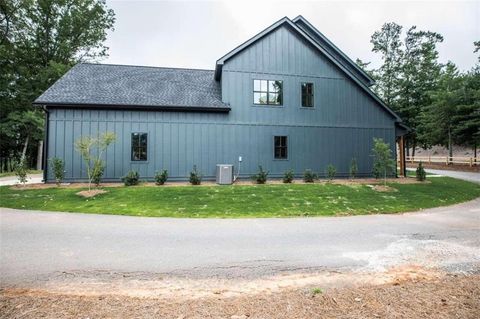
x: 271, y: 200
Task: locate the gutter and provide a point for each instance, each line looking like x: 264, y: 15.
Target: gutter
x: 91, y: 106
x: 45, y: 146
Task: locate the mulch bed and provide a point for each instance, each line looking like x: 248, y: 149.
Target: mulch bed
x: 447, y: 297
x: 359, y: 181
x: 91, y: 193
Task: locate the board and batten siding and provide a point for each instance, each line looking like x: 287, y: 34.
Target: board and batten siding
x: 340, y: 126
x: 177, y: 141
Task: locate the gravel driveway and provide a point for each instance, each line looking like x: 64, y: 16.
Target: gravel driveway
x: 37, y: 245
x: 466, y: 176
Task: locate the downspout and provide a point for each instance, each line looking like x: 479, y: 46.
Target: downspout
x: 45, y: 146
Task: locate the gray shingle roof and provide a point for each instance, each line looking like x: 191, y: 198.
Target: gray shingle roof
x: 122, y: 85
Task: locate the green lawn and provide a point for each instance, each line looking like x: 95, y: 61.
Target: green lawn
x: 277, y: 200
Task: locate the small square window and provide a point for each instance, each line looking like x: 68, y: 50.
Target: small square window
x: 281, y: 147
x: 139, y: 146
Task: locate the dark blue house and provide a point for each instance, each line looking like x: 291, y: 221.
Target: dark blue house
x: 287, y: 98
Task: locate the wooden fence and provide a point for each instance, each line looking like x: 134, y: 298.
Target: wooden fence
x: 444, y: 160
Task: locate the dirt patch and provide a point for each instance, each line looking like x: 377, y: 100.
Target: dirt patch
x: 448, y: 296
x: 63, y: 185
x: 91, y: 193
x: 383, y: 188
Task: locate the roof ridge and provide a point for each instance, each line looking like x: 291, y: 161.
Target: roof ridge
x: 145, y: 66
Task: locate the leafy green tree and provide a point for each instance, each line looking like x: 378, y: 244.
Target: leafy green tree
x: 383, y: 162
x: 409, y: 71
x: 466, y: 122
x: 387, y: 43
x: 420, y: 75
x: 91, y: 149
x: 39, y: 41
x: 21, y: 171
x: 438, y: 117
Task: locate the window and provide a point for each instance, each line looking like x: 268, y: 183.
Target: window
x: 307, y: 94
x: 267, y: 92
x: 281, y: 149
x: 139, y: 146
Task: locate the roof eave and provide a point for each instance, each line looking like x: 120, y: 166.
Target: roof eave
x: 173, y: 108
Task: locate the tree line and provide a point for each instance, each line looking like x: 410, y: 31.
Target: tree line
x: 40, y: 40
x: 437, y: 101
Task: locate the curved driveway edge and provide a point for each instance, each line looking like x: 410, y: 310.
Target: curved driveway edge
x: 35, y: 245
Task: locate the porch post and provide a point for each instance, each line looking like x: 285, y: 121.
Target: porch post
x: 401, y: 148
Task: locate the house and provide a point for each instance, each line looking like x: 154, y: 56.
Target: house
x: 287, y: 98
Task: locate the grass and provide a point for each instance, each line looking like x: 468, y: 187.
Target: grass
x: 279, y: 200
x: 316, y: 291
x: 30, y: 171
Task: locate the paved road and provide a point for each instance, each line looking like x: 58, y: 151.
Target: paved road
x: 13, y: 180
x: 37, y: 245
x: 467, y: 176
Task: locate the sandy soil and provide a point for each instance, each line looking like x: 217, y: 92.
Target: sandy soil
x: 406, y: 292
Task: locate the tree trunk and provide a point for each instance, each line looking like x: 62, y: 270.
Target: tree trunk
x: 475, y: 152
x: 408, y: 147
x: 25, y: 146
x: 450, y: 150
x: 414, y: 146
x: 40, y: 155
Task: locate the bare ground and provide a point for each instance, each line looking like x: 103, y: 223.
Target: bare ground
x: 402, y: 292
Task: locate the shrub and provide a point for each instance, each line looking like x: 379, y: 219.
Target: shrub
x: 21, y: 171
x: 195, y: 176
x: 261, y: 176
x: 161, y: 177
x: 288, y: 176
x: 331, y: 171
x: 132, y: 178
x: 353, y: 168
x: 58, y: 168
x: 420, y: 173
x: 97, y: 171
x: 309, y: 176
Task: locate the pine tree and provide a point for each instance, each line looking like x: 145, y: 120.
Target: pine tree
x: 387, y: 43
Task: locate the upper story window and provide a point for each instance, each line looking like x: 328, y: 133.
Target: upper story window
x: 307, y: 94
x: 267, y: 92
x: 281, y: 148
x: 139, y: 146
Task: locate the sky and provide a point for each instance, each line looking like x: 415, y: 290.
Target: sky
x: 194, y: 34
